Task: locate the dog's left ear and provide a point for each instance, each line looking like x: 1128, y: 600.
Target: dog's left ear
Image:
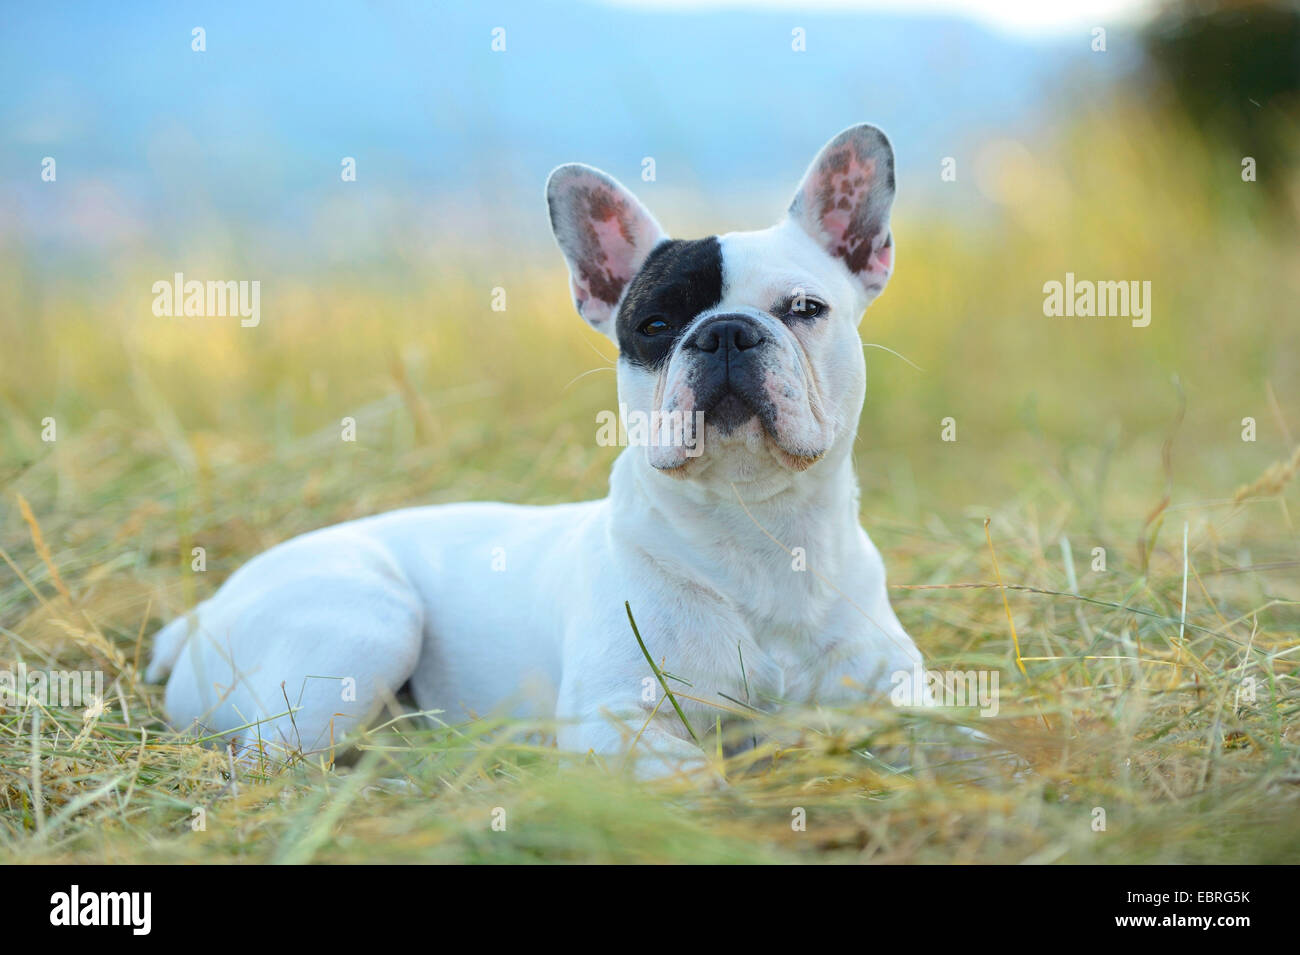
x: 844, y: 201
x: 605, y: 235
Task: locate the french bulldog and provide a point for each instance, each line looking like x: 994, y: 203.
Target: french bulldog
x: 732, y: 537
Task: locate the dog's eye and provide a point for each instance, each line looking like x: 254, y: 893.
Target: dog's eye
x: 805, y: 307
x: 654, y: 325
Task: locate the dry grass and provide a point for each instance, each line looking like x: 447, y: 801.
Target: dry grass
x: 175, y: 434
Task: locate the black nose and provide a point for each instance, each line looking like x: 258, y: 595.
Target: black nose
x: 734, y: 333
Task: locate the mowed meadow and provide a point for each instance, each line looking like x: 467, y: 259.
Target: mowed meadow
x: 1155, y: 719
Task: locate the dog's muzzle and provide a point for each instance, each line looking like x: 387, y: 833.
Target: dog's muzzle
x: 725, y: 351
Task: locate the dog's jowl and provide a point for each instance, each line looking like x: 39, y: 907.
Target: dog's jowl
x: 482, y: 608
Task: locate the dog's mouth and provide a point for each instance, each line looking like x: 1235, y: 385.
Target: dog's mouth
x: 732, y: 409
x: 738, y: 421
x: 742, y: 411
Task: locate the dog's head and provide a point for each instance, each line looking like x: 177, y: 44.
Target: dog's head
x: 752, y: 333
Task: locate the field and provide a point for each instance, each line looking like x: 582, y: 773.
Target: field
x: 1161, y: 690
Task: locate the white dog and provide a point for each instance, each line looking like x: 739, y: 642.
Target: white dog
x: 735, y: 541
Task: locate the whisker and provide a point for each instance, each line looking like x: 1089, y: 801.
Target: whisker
x: 585, y: 374
x: 586, y: 340
x: 894, y: 353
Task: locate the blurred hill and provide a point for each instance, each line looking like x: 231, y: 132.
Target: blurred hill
x: 158, y: 144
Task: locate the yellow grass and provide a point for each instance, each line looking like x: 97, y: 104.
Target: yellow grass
x: 1117, y: 693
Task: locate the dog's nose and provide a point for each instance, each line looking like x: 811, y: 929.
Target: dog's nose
x: 728, y: 333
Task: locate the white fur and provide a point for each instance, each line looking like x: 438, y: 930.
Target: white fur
x: 699, y: 551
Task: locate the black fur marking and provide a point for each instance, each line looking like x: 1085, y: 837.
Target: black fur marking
x: 680, y: 279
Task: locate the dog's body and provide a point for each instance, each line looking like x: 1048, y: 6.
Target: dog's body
x: 738, y: 548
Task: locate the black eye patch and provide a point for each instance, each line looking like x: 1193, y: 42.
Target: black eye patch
x: 680, y: 279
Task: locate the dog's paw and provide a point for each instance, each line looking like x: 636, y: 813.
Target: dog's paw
x: 667, y: 757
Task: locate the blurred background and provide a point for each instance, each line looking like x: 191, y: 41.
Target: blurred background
x: 1119, y: 141
x: 1108, y: 140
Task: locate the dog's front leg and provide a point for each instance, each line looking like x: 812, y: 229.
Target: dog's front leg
x: 612, y: 704
x: 629, y: 738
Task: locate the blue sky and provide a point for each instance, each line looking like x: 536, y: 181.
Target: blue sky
x: 155, y: 142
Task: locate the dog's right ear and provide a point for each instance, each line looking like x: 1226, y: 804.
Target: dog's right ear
x: 844, y: 202
x: 605, y: 235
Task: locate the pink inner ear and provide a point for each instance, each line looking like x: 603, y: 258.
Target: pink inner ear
x: 606, y: 229
x: 615, y: 251
x: 840, y: 193
x: 843, y: 186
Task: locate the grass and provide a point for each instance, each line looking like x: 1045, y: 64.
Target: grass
x: 1073, y: 434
